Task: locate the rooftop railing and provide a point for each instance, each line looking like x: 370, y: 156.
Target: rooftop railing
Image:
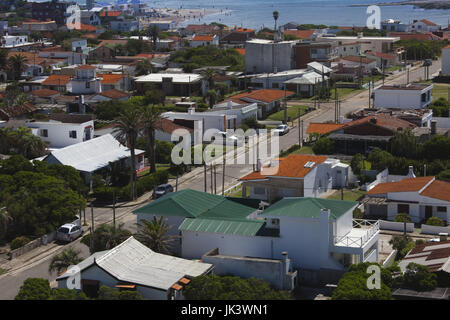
x: 372, y: 227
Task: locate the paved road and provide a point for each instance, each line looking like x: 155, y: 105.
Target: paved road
x: 38, y: 266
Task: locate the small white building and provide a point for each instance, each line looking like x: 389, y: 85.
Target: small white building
x: 85, y: 81
x: 446, y: 60
x: 204, y: 40
x: 163, y: 25
x: 133, y: 266
x: 241, y: 111
x: 78, y: 45
x: 419, y: 197
x: 125, y: 25
x: 14, y: 41
x: 411, y: 96
x: 392, y: 25
x: 422, y: 26
x: 63, y: 130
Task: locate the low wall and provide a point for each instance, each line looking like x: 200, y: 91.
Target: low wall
x: 396, y: 226
x: 426, y: 229
x: 42, y: 241
x: 442, y: 122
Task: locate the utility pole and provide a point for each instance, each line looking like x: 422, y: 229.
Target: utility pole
x: 204, y: 171
x: 176, y: 182
x: 285, y: 106
x: 424, y: 170
x: 215, y: 180
x: 114, y: 208
x: 336, y: 119
x: 342, y: 193
x: 382, y: 69
x: 223, y: 176
x: 369, y: 94
x: 212, y: 185
x: 92, y: 216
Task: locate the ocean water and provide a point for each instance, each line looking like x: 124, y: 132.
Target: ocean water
x: 258, y: 13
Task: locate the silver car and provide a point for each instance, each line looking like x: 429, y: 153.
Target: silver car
x: 69, y: 232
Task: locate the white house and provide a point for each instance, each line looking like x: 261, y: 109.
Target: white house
x: 125, y: 25
x: 419, y: 197
x: 241, y: 111
x: 446, y: 60
x: 163, y: 25
x: 411, y: 96
x: 422, y: 26
x: 95, y: 154
x: 133, y: 266
x: 72, y: 57
x: 204, y: 40
x: 393, y: 25
x: 318, y: 234
x: 296, y: 176
x: 63, y: 130
x: 85, y: 81
x: 78, y: 45
x: 14, y: 41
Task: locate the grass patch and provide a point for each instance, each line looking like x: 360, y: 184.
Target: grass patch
x: 295, y: 149
x: 292, y: 112
x: 440, y: 91
x: 236, y: 193
x: 2, y: 271
x: 349, y: 195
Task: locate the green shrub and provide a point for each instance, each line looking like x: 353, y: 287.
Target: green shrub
x: 401, y: 217
x: 358, y: 214
x: 18, y: 242
x: 435, y: 221
x: 418, y: 277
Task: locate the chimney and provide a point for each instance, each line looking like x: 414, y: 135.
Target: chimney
x: 443, y: 236
x: 410, y: 172
x: 229, y: 105
x: 433, y: 127
x: 191, y: 110
x: 285, y: 262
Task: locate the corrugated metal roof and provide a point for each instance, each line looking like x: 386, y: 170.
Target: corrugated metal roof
x: 191, y: 203
x: 308, y: 207
x: 236, y: 227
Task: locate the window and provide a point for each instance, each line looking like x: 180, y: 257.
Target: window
x: 44, y: 133
x: 88, y: 84
x: 403, y: 208
x: 275, y: 222
x: 441, y: 209
x: 73, y: 134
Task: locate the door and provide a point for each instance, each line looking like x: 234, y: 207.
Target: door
x: 428, y: 212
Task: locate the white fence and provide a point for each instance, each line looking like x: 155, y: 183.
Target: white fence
x: 396, y: 226
x: 426, y: 229
x: 390, y: 259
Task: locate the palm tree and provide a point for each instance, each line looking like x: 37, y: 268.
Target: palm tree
x: 64, y: 260
x: 109, y: 236
x: 143, y: 67
x: 3, y: 58
x: 153, y: 33
x: 17, y: 64
x: 36, y: 147
x: 151, y: 119
x: 209, y: 74
x: 212, y: 95
x: 154, y: 235
x: 5, y: 221
x: 128, y: 126
x: 5, y: 140
x: 275, y: 17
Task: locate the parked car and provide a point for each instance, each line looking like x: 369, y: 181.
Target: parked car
x: 69, y: 232
x: 161, y: 190
x: 281, y: 129
x: 427, y: 63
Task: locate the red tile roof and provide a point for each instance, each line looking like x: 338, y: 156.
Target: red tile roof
x: 110, y: 13
x: 203, y: 38
x: 300, y: 34
x: 292, y: 166
x: 169, y: 126
x: 414, y: 36
x: 15, y: 111
x: 405, y: 185
x: 110, y: 78
x: 114, y: 94
x: 263, y: 95
x: 323, y: 128
x: 245, y: 30
x: 56, y: 80
x: 44, y: 93
x: 359, y: 59
x: 428, y: 22
x: 382, y: 120
x: 439, y: 251
x: 85, y: 67
x: 437, y: 190
x: 382, y: 55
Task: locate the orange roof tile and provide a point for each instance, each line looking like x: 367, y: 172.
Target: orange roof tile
x: 300, y: 34
x: 110, y: 78
x: 293, y: 166
x: 114, y: 94
x: 56, y: 80
x: 323, y: 128
x: 44, y: 93
x: 85, y: 67
x: 203, y: 38
x: 405, y: 185
x: 428, y: 22
x: 244, y: 30
x: 184, y: 280
x: 176, y: 286
x: 110, y: 13
x: 358, y: 59
x: 240, y: 50
x: 169, y: 126
x: 263, y: 95
x: 437, y: 190
x: 382, y: 120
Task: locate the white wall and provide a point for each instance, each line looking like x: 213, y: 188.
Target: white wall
x: 403, y: 99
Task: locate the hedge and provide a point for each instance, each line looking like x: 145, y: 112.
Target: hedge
x: 18, y: 242
x: 143, y: 184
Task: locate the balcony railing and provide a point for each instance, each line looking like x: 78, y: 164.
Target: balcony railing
x: 371, y: 227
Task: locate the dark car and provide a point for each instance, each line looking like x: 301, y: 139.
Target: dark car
x: 161, y: 190
x: 427, y: 63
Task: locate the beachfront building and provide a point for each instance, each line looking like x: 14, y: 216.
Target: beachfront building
x: 411, y: 96
x: 262, y: 56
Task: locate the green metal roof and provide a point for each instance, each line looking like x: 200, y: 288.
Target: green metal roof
x: 308, y: 207
x: 236, y: 227
x: 191, y: 204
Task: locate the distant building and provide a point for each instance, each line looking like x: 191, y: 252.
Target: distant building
x: 85, y: 81
x: 411, y: 96
x: 446, y: 60
x: 238, y: 36
x: 263, y: 56
x: 422, y: 26
x: 393, y: 25
x: 125, y: 25
x: 52, y: 10
x: 184, y: 84
x: 204, y: 40
x: 163, y: 25
x: 89, y: 18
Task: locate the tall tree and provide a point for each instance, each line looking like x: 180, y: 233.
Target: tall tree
x: 3, y: 58
x: 64, y: 260
x: 154, y: 235
x: 209, y: 74
x: 128, y: 126
x: 107, y: 236
x: 143, y: 67
x: 151, y: 118
x: 153, y: 33
x: 5, y: 221
x: 17, y: 64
